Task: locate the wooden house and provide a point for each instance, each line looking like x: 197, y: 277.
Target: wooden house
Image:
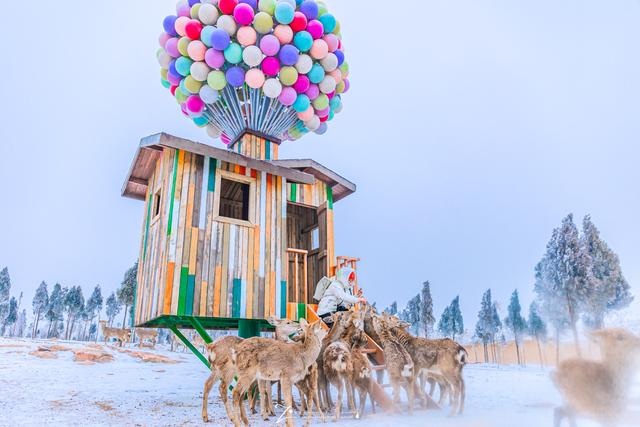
x: 230, y: 237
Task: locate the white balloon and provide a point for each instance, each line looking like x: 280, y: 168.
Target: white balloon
x: 181, y: 3
x: 304, y: 64
x: 313, y: 124
x: 208, y: 95
x: 252, y: 56
x: 208, y: 14
x: 329, y: 62
x: 327, y: 85
x: 200, y: 71
x: 272, y: 88
x: 213, y: 131
x: 338, y: 109
x: 227, y: 23
x: 164, y: 59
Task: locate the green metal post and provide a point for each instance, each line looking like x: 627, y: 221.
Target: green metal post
x: 190, y: 346
x: 248, y: 328
x: 200, y: 329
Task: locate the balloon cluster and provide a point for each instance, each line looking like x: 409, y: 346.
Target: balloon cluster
x: 289, y: 50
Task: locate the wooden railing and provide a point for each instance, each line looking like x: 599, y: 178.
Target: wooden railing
x: 345, y: 261
x: 299, y: 255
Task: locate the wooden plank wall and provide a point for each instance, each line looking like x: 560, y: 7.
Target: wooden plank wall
x: 191, y: 264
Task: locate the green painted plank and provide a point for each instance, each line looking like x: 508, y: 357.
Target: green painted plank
x: 267, y: 150
x: 302, y: 311
x: 213, y: 165
x: 191, y: 286
x: 146, y: 232
x: 182, y: 297
x: 294, y: 189
x: 283, y: 299
x: 237, y: 293
x: 173, y: 192
x: 190, y: 346
x: 330, y: 197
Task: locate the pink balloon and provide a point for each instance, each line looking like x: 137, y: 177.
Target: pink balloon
x: 316, y: 29
x: 319, y: 50
x: 347, y: 85
x: 171, y: 46
x: 302, y: 84
x: 255, y: 78
x: 337, y: 75
x: 305, y: 116
x: 181, y: 24
x: 284, y: 33
x: 195, y: 104
x: 246, y: 36
x: 270, y: 45
x: 214, y: 58
x: 197, y: 50
x: 243, y: 14
x: 288, y: 96
x: 332, y: 41
x: 323, y: 113
x: 313, y: 92
x: 174, y: 80
x: 184, y: 10
x: 271, y: 66
x: 164, y: 37
x: 331, y: 95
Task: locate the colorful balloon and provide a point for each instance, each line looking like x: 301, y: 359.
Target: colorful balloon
x: 208, y: 14
x: 289, y: 54
x: 284, y: 13
x: 270, y: 45
x: 272, y: 88
x: 270, y: 66
x: 284, y: 33
x: 235, y: 76
x: 214, y: 58
x: 220, y: 39
x: 309, y: 8
x: 316, y: 29
x: 193, y: 29
x: 227, y: 6
x: 208, y: 94
x: 243, y: 14
x: 255, y: 78
x: 263, y: 22
x: 303, y: 41
x: 252, y: 56
x: 246, y: 36
x: 217, y: 80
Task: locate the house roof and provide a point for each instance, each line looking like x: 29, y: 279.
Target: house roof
x: 299, y: 171
x: 341, y: 186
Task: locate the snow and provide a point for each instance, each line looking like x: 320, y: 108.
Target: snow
x: 127, y: 391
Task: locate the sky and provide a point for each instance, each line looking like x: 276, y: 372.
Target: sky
x: 471, y: 129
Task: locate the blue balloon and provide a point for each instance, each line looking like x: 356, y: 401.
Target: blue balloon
x: 169, y: 25
x: 206, y: 34
x: 284, y: 13
x: 316, y: 75
x: 335, y: 102
x: 252, y: 3
x: 183, y: 65
x: 172, y: 68
x: 289, y: 54
x: 302, y: 103
x: 340, y: 56
x: 303, y: 41
x: 220, y: 39
x: 310, y: 9
x: 235, y: 76
x: 200, y: 121
x: 328, y: 22
x: 193, y: 2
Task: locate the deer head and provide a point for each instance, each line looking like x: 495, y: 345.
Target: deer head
x: 285, y: 328
x: 617, y: 343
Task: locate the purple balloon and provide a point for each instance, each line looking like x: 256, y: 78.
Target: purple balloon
x: 220, y: 39
x: 214, y: 58
x: 340, y: 56
x: 289, y: 54
x: 193, y: 2
x: 172, y: 47
x: 252, y: 3
x: 310, y: 9
x: 235, y: 76
x: 169, y: 25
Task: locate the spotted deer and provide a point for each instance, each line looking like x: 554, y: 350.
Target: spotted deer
x: 598, y: 389
x: 119, y: 334
x: 150, y: 335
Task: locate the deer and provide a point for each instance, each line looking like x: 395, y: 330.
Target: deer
x: 362, y: 368
x: 438, y: 360
x: 339, y: 326
x: 265, y: 359
x: 119, y: 334
x: 150, y: 335
x: 399, y: 363
x: 223, y: 369
x: 598, y: 389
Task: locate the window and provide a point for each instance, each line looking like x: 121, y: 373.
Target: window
x: 156, y: 204
x: 315, y: 238
x: 235, y: 199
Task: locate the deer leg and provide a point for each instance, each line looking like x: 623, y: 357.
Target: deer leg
x: 370, y: 391
x: 410, y: 393
x: 288, y: 401
x: 264, y: 406
x: 338, y: 384
x: 362, y: 392
x: 224, y: 396
x: 350, y: 395
x: 309, y: 398
x: 561, y: 413
x: 238, y: 400
x: 396, y: 392
x: 205, y: 395
x: 313, y: 392
x: 463, y: 393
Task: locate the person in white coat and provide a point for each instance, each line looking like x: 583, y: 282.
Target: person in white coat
x: 338, y: 295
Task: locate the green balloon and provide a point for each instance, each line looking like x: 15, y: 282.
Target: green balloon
x: 217, y: 80
x: 268, y: 6
x: 288, y: 76
x: 233, y: 53
x: 321, y: 102
x: 165, y: 83
x: 180, y: 96
x: 344, y: 68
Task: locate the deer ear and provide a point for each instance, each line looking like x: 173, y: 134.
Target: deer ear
x: 303, y: 322
x: 271, y: 320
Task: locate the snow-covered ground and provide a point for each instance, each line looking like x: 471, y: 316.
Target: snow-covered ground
x: 128, y: 391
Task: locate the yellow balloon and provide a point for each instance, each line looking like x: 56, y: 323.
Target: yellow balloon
x: 192, y: 85
x: 288, y: 76
x: 183, y: 44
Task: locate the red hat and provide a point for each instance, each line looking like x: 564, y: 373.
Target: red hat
x: 352, y: 276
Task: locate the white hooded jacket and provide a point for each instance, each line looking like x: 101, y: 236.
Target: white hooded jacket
x: 337, y: 293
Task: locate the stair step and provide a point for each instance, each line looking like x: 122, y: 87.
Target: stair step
x: 369, y: 350
x: 379, y: 367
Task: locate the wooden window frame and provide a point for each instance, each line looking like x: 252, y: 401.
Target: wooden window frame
x: 156, y: 217
x: 220, y: 174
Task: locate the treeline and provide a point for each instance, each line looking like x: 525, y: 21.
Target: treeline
x: 63, y: 312
x: 579, y: 279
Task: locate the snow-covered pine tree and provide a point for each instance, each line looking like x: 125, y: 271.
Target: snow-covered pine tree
x: 392, y: 309
x: 484, y: 324
x: 11, y: 317
x: 5, y: 289
x: 515, y: 322
x: 444, y: 324
x: 427, y: 319
x: 496, y: 330
x: 94, y: 306
x: 39, y: 304
x: 73, y: 305
x: 537, y: 328
x: 127, y: 292
x: 457, y: 323
x: 113, y: 308
x: 21, y: 324
x: 610, y: 290
x: 55, y: 309
x: 566, y: 280
x: 413, y: 308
